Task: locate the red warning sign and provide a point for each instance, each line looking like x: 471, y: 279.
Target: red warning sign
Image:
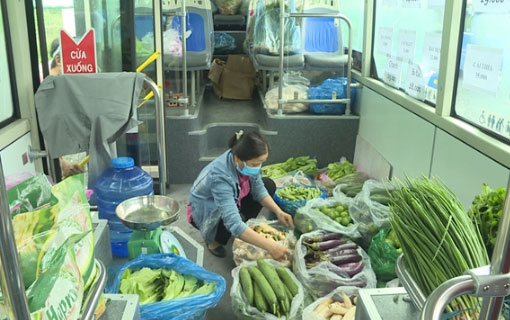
x: 78, y: 57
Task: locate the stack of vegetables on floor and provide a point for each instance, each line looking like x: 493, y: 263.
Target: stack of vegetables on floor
x: 272, y: 230
x: 342, y: 309
x: 153, y: 285
x: 267, y: 288
x: 438, y: 239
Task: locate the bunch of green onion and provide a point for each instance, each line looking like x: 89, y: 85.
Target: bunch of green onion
x: 438, y: 239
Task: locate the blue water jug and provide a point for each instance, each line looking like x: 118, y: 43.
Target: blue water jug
x: 123, y: 180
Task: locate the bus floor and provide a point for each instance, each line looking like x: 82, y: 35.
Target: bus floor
x: 221, y: 266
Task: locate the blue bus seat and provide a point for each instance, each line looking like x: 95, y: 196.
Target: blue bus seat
x: 200, y: 37
x: 322, y: 39
x: 265, y: 47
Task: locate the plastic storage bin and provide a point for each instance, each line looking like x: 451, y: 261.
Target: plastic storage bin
x: 123, y: 180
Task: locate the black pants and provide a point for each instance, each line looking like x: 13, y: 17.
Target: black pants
x: 249, y: 209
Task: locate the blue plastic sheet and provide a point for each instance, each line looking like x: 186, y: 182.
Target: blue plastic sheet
x: 291, y: 206
x: 325, y: 91
x: 188, y: 308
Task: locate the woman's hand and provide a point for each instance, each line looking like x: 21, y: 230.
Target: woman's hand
x: 286, y: 219
x: 70, y: 169
x: 278, y: 251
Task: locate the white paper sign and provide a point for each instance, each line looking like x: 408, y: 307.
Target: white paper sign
x: 389, y: 3
x: 482, y: 67
x: 385, y: 40
x: 392, y: 72
x: 415, y: 86
x: 411, y: 4
x: 491, y: 6
x: 432, y: 50
x: 406, y: 44
x: 436, y: 3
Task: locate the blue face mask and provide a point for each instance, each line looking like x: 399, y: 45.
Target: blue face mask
x: 248, y: 171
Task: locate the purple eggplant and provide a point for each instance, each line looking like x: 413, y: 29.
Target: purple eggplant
x: 326, y: 237
x: 339, y: 260
x: 342, y: 247
x: 324, y: 245
x: 352, y: 268
x: 345, y: 252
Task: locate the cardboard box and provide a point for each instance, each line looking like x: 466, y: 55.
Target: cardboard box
x: 234, y: 79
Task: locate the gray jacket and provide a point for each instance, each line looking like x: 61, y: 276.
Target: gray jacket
x: 214, y: 196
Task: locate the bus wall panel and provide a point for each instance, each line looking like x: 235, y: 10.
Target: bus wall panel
x: 464, y: 169
x: 401, y: 137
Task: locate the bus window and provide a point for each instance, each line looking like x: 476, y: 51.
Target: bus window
x: 483, y: 85
x: 7, y: 82
x: 407, y: 46
x: 355, y: 11
x: 76, y: 17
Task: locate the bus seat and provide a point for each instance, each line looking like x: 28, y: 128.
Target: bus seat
x: 266, y: 31
x: 322, y: 39
x: 199, y: 41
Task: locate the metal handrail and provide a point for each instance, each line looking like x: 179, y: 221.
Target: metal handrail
x: 160, y: 134
x: 11, y: 280
x: 442, y: 295
x: 282, y: 101
x: 184, y: 57
x: 91, y: 305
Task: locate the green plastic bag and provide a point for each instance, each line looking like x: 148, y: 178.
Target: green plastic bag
x: 383, y: 256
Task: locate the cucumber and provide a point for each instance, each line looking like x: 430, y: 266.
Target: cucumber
x: 260, y: 302
x: 264, y: 287
x: 287, y: 280
x: 246, y: 284
x: 274, y: 281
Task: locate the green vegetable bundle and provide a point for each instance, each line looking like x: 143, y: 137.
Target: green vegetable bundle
x: 304, y: 163
x: 294, y: 193
x: 153, y: 285
x: 267, y: 288
x: 486, y: 213
x: 438, y: 239
x: 337, y: 170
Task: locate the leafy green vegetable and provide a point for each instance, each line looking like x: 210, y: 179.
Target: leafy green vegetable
x: 304, y: 163
x: 486, y: 213
x: 337, y: 170
x: 153, y: 285
x: 438, y: 239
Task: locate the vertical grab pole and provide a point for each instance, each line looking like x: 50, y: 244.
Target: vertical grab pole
x: 160, y: 135
x: 500, y: 262
x: 349, y: 63
x: 282, y: 38
x: 184, y: 58
x: 11, y: 281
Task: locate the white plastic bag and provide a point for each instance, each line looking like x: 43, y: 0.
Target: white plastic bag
x: 336, y: 295
x: 172, y: 43
x: 289, y: 92
x: 371, y: 215
x: 242, y: 308
x: 297, y: 178
x: 321, y: 280
x: 310, y: 218
x: 228, y: 7
x: 244, y: 251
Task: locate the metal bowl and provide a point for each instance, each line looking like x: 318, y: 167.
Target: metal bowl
x: 146, y: 213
